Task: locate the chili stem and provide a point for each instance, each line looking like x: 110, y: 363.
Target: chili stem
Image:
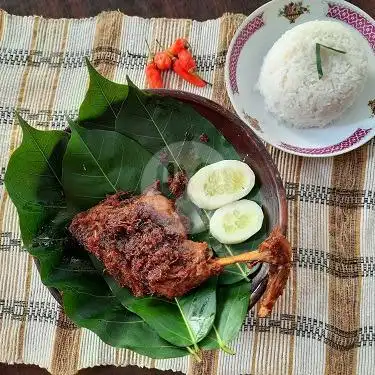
x: 157, y: 41
x: 148, y: 47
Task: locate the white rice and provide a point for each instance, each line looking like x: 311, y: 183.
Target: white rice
x: 289, y: 80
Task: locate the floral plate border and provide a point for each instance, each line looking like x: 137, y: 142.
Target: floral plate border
x: 337, y: 11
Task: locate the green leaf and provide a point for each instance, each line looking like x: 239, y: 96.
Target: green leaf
x: 104, y: 315
x: 319, y: 57
x: 232, y: 306
x: 165, y: 124
x: 98, y: 163
x: 319, y: 61
x: 198, y: 309
x: 183, y: 322
x: 33, y: 178
x: 332, y: 49
x: 103, y: 101
x: 33, y: 181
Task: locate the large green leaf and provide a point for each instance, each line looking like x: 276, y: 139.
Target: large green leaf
x: 103, y: 99
x: 33, y: 178
x: 98, y: 163
x: 162, y: 123
x: 103, y: 314
x: 232, y: 306
x: 34, y: 183
x: 183, y: 321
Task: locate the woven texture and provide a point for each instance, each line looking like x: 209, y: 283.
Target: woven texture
x: 324, y: 322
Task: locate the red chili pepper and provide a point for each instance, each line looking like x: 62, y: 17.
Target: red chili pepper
x: 187, y: 60
x: 177, y: 46
x: 192, y: 78
x: 153, y: 76
x: 162, y: 60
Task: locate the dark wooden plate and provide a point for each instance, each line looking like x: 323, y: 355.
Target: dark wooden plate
x: 251, y: 151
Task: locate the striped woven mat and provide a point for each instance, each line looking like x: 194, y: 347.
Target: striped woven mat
x: 324, y: 322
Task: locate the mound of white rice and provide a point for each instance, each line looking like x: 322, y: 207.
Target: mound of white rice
x: 289, y: 80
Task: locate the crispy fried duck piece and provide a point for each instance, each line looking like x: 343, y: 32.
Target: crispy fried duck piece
x: 143, y: 244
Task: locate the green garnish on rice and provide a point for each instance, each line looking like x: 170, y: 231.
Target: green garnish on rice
x: 319, y: 57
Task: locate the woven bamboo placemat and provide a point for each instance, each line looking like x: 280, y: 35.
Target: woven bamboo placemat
x: 324, y: 322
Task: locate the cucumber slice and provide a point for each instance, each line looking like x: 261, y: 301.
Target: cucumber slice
x: 220, y: 183
x: 236, y: 222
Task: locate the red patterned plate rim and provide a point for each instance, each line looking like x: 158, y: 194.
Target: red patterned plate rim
x: 340, y: 10
x: 347, y: 143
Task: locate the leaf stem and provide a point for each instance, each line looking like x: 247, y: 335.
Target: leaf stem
x: 332, y: 49
x: 227, y: 349
x: 222, y: 344
x: 194, y: 353
x: 319, y: 61
x: 148, y: 47
x: 191, y: 333
x: 157, y: 41
x: 319, y: 57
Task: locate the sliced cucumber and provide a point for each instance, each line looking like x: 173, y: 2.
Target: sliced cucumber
x: 220, y: 183
x: 236, y: 222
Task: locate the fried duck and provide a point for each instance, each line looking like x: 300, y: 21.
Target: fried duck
x: 143, y: 243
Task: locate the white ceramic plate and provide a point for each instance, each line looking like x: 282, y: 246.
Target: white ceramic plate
x: 245, y: 57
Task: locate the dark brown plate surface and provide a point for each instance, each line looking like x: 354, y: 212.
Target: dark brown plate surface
x: 251, y: 151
